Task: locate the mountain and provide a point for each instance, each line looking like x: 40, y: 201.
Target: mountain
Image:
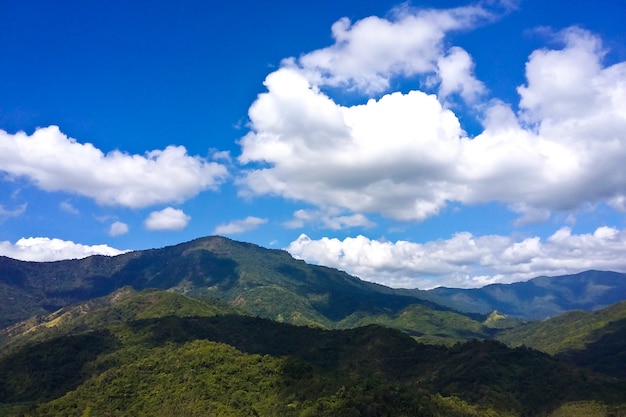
x: 266, y: 283
x: 538, y: 298
x: 272, y: 284
x: 596, y: 340
x: 156, y: 353
x: 121, y: 306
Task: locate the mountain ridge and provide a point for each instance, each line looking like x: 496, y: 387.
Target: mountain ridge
x: 272, y: 284
x: 266, y: 282
x: 538, y: 298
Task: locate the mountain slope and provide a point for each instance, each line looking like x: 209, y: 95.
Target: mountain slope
x: 596, y: 340
x: 121, y: 306
x: 266, y: 283
x: 538, y: 298
x: 272, y: 284
x: 232, y: 365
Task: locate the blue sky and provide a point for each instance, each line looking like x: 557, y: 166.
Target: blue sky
x: 412, y: 144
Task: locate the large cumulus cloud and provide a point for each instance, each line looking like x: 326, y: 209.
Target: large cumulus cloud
x: 406, y: 155
x: 55, y: 162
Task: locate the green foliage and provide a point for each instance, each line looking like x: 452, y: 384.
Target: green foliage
x: 592, y: 339
x: 193, y: 379
x: 499, y: 321
x: 121, y: 306
x: 588, y: 409
x: 233, y: 365
x: 425, y: 324
x: 569, y: 331
x: 162, y: 353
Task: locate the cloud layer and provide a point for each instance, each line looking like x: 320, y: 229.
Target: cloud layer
x: 467, y: 261
x: 406, y: 156
x: 55, y: 162
x: 40, y: 249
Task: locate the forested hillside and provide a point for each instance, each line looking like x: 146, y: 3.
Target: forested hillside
x: 596, y: 340
x: 161, y: 354
x: 265, y: 283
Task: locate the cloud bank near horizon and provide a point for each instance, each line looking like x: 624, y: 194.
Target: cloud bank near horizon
x: 462, y: 261
x: 43, y: 249
x: 467, y: 261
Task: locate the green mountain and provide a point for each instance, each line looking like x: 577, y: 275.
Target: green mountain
x: 596, y: 340
x: 538, y: 298
x: 272, y: 284
x: 265, y: 283
x: 156, y: 353
x: 121, y: 306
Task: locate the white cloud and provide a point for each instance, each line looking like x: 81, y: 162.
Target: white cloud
x: 167, y: 219
x: 467, y: 261
x: 455, y: 71
x: 118, y: 228
x: 406, y: 156
x: 390, y: 156
x: 239, y: 226
x: 368, y: 53
x: 41, y: 249
x: 55, y: 162
x: 329, y: 219
x: 530, y: 215
x: 7, y: 213
x: 222, y: 156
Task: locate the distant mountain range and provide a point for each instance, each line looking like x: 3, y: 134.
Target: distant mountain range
x: 271, y: 284
x: 538, y: 298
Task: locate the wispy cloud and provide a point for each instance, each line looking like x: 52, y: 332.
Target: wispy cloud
x: 239, y: 226
x: 368, y: 53
x: 6, y: 213
x: 330, y: 218
x: 67, y: 207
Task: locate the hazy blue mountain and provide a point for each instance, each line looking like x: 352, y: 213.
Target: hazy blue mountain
x: 538, y: 298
